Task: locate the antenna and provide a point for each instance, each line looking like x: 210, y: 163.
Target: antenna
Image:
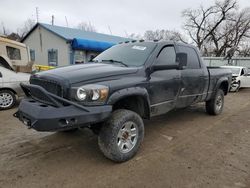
x: 110, y: 30
x: 53, y: 19
x: 37, y: 14
x: 66, y: 21
x: 126, y: 34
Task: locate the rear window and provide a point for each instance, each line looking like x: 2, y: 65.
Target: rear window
x: 192, y: 57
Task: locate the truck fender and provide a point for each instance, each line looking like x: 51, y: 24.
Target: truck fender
x: 128, y: 92
x: 219, y: 84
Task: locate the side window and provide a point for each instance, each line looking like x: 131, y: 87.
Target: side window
x: 52, y: 57
x: 192, y: 57
x: 167, y: 56
x: 13, y: 53
x: 1, y: 75
x: 32, y: 55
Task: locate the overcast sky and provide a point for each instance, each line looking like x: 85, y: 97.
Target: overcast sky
x: 122, y: 16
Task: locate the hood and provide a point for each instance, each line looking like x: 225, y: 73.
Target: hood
x: 85, y: 72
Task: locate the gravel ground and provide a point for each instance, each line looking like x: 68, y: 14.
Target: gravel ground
x: 184, y: 148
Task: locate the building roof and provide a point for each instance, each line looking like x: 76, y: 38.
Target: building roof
x: 71, y: 33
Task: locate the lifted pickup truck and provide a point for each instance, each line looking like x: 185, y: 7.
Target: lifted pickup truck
x: 123, y: 85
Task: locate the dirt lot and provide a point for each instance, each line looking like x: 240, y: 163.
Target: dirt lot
x: 185, y: 148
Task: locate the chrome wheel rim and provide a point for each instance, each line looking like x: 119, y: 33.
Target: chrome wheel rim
x: 127, y: 137
x: 6, y: 100
x: 218, y: 103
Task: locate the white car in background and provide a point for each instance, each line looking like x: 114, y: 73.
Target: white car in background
x: 240, y: 77
x: 10, y: 88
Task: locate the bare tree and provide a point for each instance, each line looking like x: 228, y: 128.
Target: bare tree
x: 86, y: 27
x: 3, y: 30
x: 27, y: 26
x: 164, y: 35
x: 135, y: 36
x: 232, y: 33
x: 202, y: 22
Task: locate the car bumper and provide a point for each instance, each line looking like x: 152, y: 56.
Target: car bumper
x: 58, y: 114
x: 43, y: 117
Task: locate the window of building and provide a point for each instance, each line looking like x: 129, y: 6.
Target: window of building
x: 13, y: 53
x: 32, y: 55
x: 52, y: 57
x: 167, y: 56
x: 79, y: 56
x: 192, y: 57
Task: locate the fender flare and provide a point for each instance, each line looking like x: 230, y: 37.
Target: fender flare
x: 128, y: 92
x: 220, y: 81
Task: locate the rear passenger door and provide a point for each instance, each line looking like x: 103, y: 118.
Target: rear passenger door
x: 193, y: 78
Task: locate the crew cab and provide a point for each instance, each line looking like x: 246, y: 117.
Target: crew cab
x: 122, y: 86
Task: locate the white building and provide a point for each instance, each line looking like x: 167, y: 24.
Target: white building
x: 58, y: 46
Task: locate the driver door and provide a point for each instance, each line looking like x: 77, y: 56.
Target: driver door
x: 164, y: 84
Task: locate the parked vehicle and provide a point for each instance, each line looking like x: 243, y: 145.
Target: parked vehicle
x: 124, y: 84
x: 240, y: 79
x: 15, y: 55
x: 10, y: 88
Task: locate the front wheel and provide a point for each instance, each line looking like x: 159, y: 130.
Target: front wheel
x: 215, y: 105
x: 7, y: 99
x: 121, y: 136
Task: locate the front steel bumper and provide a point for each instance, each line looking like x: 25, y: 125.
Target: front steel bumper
x: 63, y: 115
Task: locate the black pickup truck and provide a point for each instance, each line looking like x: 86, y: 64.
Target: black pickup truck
x: 120, y: 87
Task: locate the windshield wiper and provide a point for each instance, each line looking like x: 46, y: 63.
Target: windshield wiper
x: 114, y: 61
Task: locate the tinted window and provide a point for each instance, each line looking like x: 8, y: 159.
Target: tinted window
x: 131, y: 54
x: 13, y: 53
x: 167, y: 56
x: 192, y: 57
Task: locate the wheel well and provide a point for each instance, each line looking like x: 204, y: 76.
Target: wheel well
x: 5, y: 88
x: 224, y: 87
x: 137, y: 104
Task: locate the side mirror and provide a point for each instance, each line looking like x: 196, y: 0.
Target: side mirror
x: 181, y: 59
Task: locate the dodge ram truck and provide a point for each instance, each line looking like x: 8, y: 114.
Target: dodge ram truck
x: 122, y: 86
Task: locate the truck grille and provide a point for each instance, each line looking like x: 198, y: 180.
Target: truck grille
x: 51, y: 86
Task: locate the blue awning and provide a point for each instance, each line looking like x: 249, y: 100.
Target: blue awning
x: 91, y: 45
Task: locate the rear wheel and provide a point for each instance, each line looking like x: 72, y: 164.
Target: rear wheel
x: 215, y: 105
x: 7, y: 99
x: 121, y: 136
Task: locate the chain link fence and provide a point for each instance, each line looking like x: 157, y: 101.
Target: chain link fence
x: 220, y: 61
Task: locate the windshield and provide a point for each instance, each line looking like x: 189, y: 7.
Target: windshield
x: 131, y: 54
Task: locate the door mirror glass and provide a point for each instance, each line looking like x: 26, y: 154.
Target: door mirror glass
x: 181, y: 59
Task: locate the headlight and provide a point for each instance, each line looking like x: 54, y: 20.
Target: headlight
x: 81, y: 94
x: 91, y: 93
